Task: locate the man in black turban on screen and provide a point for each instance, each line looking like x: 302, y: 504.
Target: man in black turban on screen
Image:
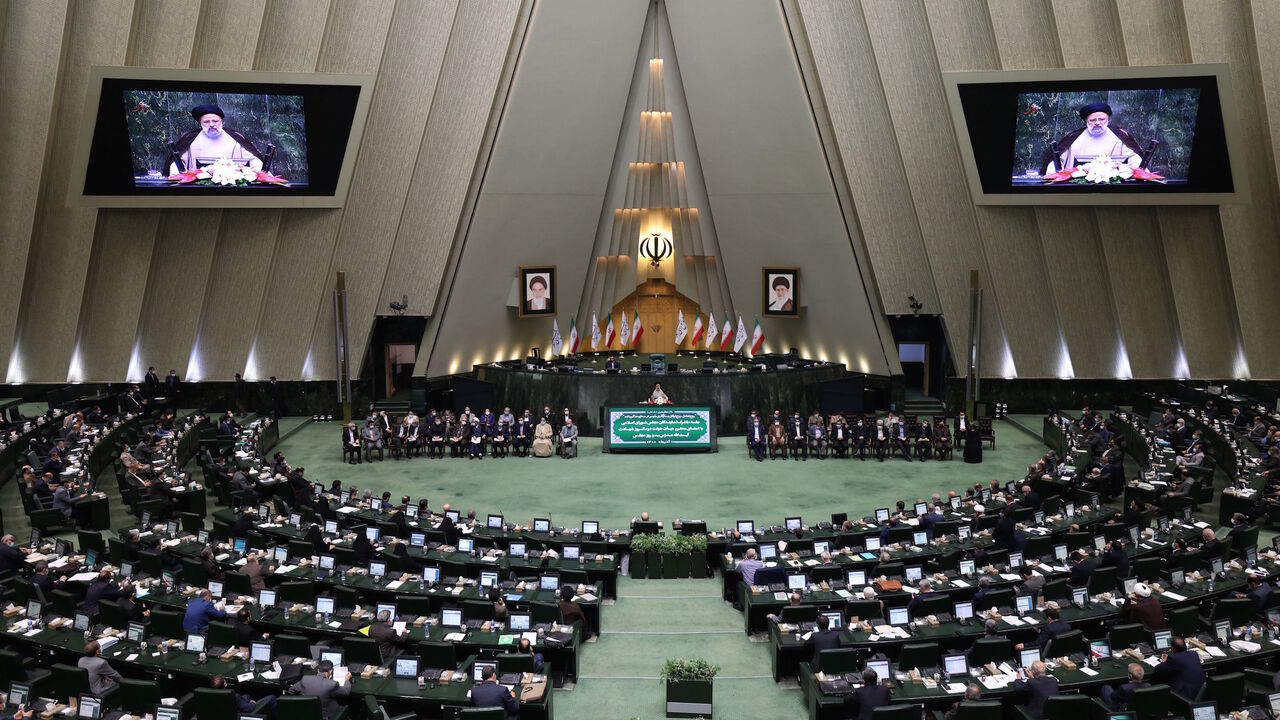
x: 212, y: 142
x: 1096, y: 139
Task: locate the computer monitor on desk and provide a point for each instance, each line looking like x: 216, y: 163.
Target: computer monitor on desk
x: 542, y: 525
x: 516, y: 550
x: 796, y: 581
x: 768, y: 551
x: 1028, y: 656
x: 406, y: 666
x: 873, y: 543
x: 835, y: 620
x: 477, y: 672
x: 325, y: 605
x: 746, y: 527
x: 451, y: 617
x: 1024, y: 604
x: 518, y: 622
x: 792, y: 524
x: 899, y: 616
x: 91, y: 707
x: 166, y: 712
x: 856, y: 578
x: 549, y: 582
x: 431, y: 575
x: 955, y: 665
x: 881, y: 667
x: 963, y: 610
x: 260, y: 652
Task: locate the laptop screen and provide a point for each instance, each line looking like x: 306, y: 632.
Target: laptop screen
x: 333, y: 656
x: 171, y: 528
x: 590, y: 527
x: 325, y: 605
x: 137, y: 632
x: 541, y: 525
x: 1015, y: 560
x: 81, y: 622
x: 1100, y: 649
x: 1273, y: 701
x: 375, y: 504
x: 431, y: 574
x: 390, y: 609
x: 516, y: 549
x: 267, y: 598
x: 465, y: 545
x: 295, y: 519
x: 1176, y: 576
x: 195, y: 643
x: 898, y: 616
x: 769, y: 551
x: 126, y: 569
x: 371, y: 533
x: 164, y: 712
x: 417, y: 539
x: 955, y: 664
x: 882, y: 514
x: 1071, y: 509
x: 238, y: 545
x: 857, y: 578
x: 965, y: 532
x: 792, y: 524
x: 549, y: 582
x: 873, y: 542
x: 377, y: 569
x: 966, y: 567
x: 572, y: 552
x: 963, y: 610
x: 451, y: 617
x: 411, y: 512
x: 1024, y: 603
x: 494, y: 521
x: 215, y: 588
x: 919, y: 537
x: 821, y: 547
x: 881, y: 668
x: 260, y: 652
x: 91, y: 707
x: 281, y: 555
x: 914, y: 573
x: 1099, y: 542
x: 452, y: 515
x: 747, y: 527
x: 1060, y: 552
x: 518, y: 621
x: 18, y: 693
x: 1199, y: 711
x: 1027, y: 656
x: 406, y: 666
x: 478, y: 670
x: 795, y: 581
x: 330, y: 527
x: 1163, y: 638
x: 488, y: 578
x: 326, y: 562
x: 1079, y: 596
x: 834, y: 620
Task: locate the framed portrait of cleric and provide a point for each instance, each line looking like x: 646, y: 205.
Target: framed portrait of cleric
x: 1099, y: 136
x: 537, y: 290
x: 781, y: 292
x: 155, y: 137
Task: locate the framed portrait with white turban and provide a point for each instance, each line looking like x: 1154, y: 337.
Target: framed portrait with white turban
x: 537, y: 291
x: 781, y: 292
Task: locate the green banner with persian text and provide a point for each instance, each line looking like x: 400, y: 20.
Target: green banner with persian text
x: 659, y: 427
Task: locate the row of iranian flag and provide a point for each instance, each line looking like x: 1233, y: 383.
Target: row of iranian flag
x: 630, y: 334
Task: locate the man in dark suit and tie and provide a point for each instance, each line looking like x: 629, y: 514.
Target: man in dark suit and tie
x: 172, y: 383
x: 823, y: 638
x: 1259, y: 591
x: 1082, y: 569
x: 1118, y: 698
x: 1180, y: 669
x: 151, y: 383
x: 351, y: 444
x: 861, y: 702
x: 323, y: 686
x: 1039, y: 686
x: 490, y: 694
x: 915, y: 608
x: 1053, y: 628
x: 756, y: 436
x: 612, y: 366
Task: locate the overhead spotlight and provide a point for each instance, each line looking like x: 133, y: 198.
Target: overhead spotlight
x: 399, y: 307
x: 914, y: 304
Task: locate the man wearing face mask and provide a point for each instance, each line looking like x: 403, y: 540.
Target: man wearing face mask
x: 1095, y: 139
x: 212, y: 142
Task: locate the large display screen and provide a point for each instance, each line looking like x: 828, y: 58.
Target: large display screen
x: 644, y: 427
x: 1095, y: 136
x: 195, y: 138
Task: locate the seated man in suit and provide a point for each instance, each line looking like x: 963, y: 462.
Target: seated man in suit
x: 351, y: 444
x: 1209, y: 548
x: 389, y: 641
x: 1082, y: 567
x: 1039, y: 686
x: 476, y: 440
x: 838, y: 435
x: 500, y: 443
x: 1259, y: 591
x: 490, y: 694
x: 569, y: 439
x: 861, y: 702
x: 972, y: 693
x: 323, y: 686
x: 612, y: 366
x: 1180, y: 669
x: 522, y: 435
x: 901, y: 441
x: 1118, y: 698
x: 880, y: 440
x: 915, y: 608
x: 756, y: 436
x: 372, y: 440
x: 817, y: 436
x: 822, y: 639
x: 1054, y: 626
x: 796, y: 437
x: 924, y: 441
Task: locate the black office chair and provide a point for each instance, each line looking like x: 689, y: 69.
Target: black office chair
x: 1128, y: 635
x: 300, y: 591
x: 138, y: 697
x: 1227, y: 690
x: 437, y: 654
x: 296, y: 645
x: 1065, y: 644
x: 1103, y: 580
x: 1237, y: 610
x: 1152, y: 703
x: 515, y: 662
x: 375, y: 711
x: 979, y: 710
x: 918, y: 655
x: 799, y: 614
x: 897, y: 712
x: 167, y: 623
x: 990, y: 650
x: 1062, y: 707
x: 1002, y: 597
x: 362, y: 650
x: 1146, y: 569
x: 298, y: 707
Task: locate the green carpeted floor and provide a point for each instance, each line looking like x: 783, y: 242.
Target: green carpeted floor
x: 720, y: 488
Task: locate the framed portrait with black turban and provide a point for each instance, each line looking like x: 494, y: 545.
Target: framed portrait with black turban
x: 781, y: 292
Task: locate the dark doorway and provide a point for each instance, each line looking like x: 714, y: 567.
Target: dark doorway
x: 393, y: 352
x: 921, y: 343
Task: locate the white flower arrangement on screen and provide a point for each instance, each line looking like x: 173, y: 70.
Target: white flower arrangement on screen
x: 225, y: 172
x: 1105, y: 170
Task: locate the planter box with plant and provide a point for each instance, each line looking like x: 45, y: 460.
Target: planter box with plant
x: 640, y: 546
x: 675, y: 556
x: 688, y: 687
x: 697, y: 555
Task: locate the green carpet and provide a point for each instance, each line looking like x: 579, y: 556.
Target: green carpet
x: 720, y: 488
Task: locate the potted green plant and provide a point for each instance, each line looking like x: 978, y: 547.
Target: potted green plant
x: 675, y: 557
x: 641, y: 544
x: 688, y: 687
x: 697, y: 555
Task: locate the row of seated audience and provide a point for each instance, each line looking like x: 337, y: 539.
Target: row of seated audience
x: 820, y: 437
x: 463, y: 435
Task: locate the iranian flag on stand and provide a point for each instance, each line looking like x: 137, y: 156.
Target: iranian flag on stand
x: 757, y: 338
x: 609, y: 334
x: 573, y: 338
x: 698, y: 329
x: 636, y: 329
x: 726, y: 334
x: 712, y: 331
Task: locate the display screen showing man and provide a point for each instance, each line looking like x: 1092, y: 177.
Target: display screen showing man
x: 1097, y: 139
x: 213, y: 141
